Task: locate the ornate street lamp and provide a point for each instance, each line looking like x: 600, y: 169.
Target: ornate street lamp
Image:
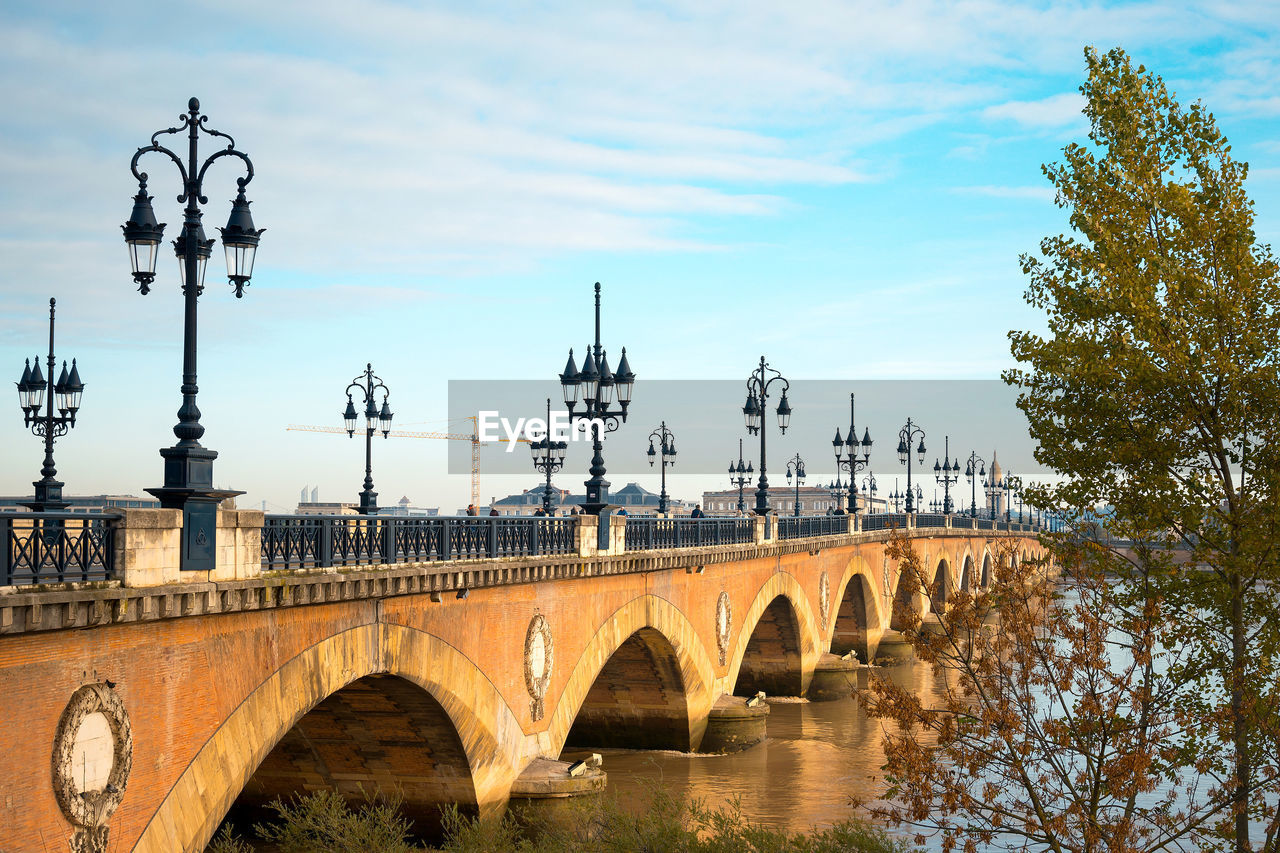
x: 740, y: 475
x: 947, y: 474
x: 64, y: 395
x: 974, y: 470
x: 758, y: 384
x: 838, y: 492
x: 188, y: 466
x: 667, y: 441
x: 548, y: 457
x: 906, y: 436
x: 855, y: 462
x: 869, y: 488
x: 1012, y: 487
x: 796, y: 468
x: 992, y: 487
x: 594, y: 385
x: 896, y: 496
x: 375, y: 419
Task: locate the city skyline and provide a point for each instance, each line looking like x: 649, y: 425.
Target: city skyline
x: 846, y: 192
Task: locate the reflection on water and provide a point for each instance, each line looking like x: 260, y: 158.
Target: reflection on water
x: 817, y: 756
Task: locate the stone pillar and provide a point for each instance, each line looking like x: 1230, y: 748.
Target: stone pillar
x: 836, y: 678
x: 588, y: 526
x: 239, y: 554
x: 148, y: 547
x: 735, y: 724
x: 761, y: 524
x: 545, y: 790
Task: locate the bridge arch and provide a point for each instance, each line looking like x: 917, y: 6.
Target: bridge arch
x: 857, y: 611
x: 781, y: 608
x: 652, y: 627
x: 986, y: 570
x: 942, y: 587
x: 486, y: 730
x: 966, y: 574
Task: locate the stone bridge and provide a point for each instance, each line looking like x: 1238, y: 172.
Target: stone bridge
x: 146, y: 708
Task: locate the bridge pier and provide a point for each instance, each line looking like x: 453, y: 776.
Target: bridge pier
x: 735, y: 723
x: 836, y: 678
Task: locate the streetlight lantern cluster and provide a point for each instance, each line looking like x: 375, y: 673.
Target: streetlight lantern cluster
x: 376, y: 418
x: 740, y: 475
x: 906, y: 436
x: 548, y: 457
x: 795, y: 468
x: 36, y: 391
x: 667, y: 441
x: 594, y: 387
x: 974, y: 470
x: 947, y: 474
x: 758, y: 385
x: 854, y: 462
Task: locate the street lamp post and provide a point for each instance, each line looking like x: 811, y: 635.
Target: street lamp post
x: 740, y: 475
x: 795, y: 467
x: 855, y: 462
x: 947, y: 474
x: 906, y: 437
x: 975, y: 469
x: 896, y: 496
x: 595, y: 383
x: 991, y: 486
x: 375, y: 418
x: 188, y: 466
x: 64, y: 395
x: 668, y: 453
x: 758, y: 384
x: 548, y: 457
x: 1012, y: 487
x: 870, y: 488
x: 838, y: 492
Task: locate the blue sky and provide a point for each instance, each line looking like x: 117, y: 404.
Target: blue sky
x: 844, y: 187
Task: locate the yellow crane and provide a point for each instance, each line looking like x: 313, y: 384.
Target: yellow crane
x: 474, y: 438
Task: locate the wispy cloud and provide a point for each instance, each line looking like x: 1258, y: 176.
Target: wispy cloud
x: 1029, y: 193
x: 1051, y: 112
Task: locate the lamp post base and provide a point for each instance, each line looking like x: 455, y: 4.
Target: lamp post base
x: 597, y: 496
x: 48, y: 496
x: 188, y: 486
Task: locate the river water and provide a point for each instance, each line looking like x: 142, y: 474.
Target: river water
x: 816, y: 757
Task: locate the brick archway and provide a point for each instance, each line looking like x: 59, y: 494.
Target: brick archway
x: 857, y: 611
x: 786, y: 587
x: 655, y: 614
x: 202, y: 794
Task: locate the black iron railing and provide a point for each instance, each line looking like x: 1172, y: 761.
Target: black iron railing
x: 805, y: 526
x: 884, y: 520
x: 305, y: 542
x: 931, y: 519
x: 647, y: 534
x: 56, y: 547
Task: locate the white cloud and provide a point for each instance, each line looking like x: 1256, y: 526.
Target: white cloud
x: 1051, y: 112
x: 992, y: 191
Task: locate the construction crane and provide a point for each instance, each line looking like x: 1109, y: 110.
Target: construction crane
x: 474, y: 438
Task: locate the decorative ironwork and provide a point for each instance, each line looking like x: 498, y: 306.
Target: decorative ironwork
x: 305, y: 542
x: 64, y: 395
x: 758, y: 384
x: 855, y: 461
x: 667, y: 442
x: 806, y: 526
x: 56, y: 547
x: 645, y: 533
x: 375, y: 419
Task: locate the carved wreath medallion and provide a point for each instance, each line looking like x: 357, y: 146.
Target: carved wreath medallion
x: 539, y: 658
x: 92, y: 757
x: 724, y: 624
x: 824, y: 599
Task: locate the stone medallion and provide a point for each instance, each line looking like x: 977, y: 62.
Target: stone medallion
x: 92, y: 756
x: 724, y: 624
x: 539, y: 658
x: 824, y: 599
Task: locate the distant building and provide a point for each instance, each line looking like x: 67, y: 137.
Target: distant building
x: 86, y: 504
x: 328, y: 508
x: 814, y: 500
x: 403, y: 508
x: 632, y: 497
